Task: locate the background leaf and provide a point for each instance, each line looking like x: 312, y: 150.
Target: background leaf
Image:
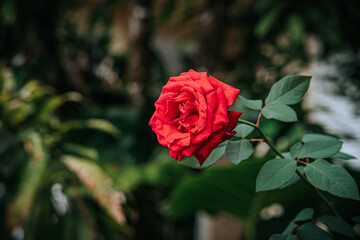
x: 279, y: 112
x: 332, y: 178
x: 97, y: 124
x: 275, y: 173
x: 236, y: 151
x: 289, y: 90
x: 21, y: 206
x: 266, y: 23
x: 82, y: 151
x: 99, y: 185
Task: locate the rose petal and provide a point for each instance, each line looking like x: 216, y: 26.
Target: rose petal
x: 221, y: 113
x: 233, y: 119
x: 230, y: 92
x: 171, y: 133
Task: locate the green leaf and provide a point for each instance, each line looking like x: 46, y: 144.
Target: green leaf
x: 311, y: 137
x: 22, y: 204
x: 214, y: 156
x: 319, y: 149
x: 93, y: 123
x: 285, y: 154
x: 279, y: 112
x: 337, y: 225
x: 19, y: 114
x: 310, y: 231
x: 344, y: 156
x: 295, y: 28
x: 243, y: 130
x: 295, y: 149
x: 48, y: 107
x: 283, y: 237
x: 294, y: 179
x: 99, y: 185
x: 252, y: 104
x: 289, y: 90
x: 304, y: 215
x: 236, y: 151
x: 265, y: 24
x: 275, y: 173
x: 332, y: 178
x: 7, y: 85
x: 81, y: 150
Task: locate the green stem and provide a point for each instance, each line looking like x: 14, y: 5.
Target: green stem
x: 273, y: 147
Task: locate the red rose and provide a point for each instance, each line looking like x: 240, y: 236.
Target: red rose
x: 191, y: 115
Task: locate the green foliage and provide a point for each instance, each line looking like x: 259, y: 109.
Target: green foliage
x: 282, y: 172
x: 283, y: 237
x: 252, y: 104
x: 97, y: 124
x: 344, y: 156
x: 304, y: 215
x: 295, y: 27
x: 318, y: 149
x: 99, y: 185
x: 28, y: 115
x: 236, y: 151
x: 214, y: 156
x: 310, y: 137
x: 289, y: 90
x: 296, y: 149
x: 227, y: 189
x: 243, y: 130
x: 332, y: 178
x: 21, y: 206
x: 311, y: 231
x: 279, y: 112
x: 304, y: 226
x: 337, y: 225
x: 265, y: 24
x: 275, y: 173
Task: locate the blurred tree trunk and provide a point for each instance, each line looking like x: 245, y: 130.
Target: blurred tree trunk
x: 213, y: 28
x: 139, y: 68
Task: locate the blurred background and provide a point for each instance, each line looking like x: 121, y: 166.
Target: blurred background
x: 78, y: 80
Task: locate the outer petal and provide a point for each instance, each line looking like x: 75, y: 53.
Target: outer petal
x: 221, y: 113
x: 233, y: 119
x: 230, y: 92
